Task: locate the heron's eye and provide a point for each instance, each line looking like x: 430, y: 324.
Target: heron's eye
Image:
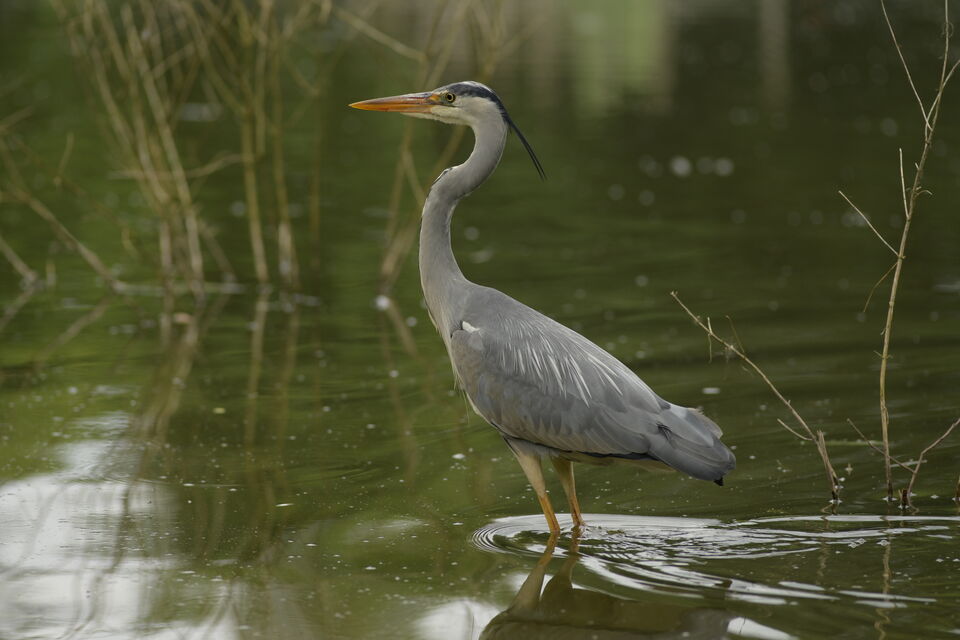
x: 449, y: 98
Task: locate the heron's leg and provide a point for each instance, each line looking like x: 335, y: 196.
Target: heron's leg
x: 565, y: 470
x: 530, y: 463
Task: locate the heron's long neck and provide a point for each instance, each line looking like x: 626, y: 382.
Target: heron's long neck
x: 443, y: 282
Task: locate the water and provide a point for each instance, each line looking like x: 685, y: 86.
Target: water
x: 272, y: 465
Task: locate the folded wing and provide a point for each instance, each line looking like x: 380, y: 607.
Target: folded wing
x: 534, y: 379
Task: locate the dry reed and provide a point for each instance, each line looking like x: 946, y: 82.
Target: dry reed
x: 909, y: 194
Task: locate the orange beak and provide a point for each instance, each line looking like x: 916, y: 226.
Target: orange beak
x: 408, y: 103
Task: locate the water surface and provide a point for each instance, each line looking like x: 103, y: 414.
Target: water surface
x: 298, y: 465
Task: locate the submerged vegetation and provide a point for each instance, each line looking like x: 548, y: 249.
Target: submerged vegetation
x: 160, y: 75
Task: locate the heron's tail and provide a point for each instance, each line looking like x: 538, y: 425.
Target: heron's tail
x: 689, y: 441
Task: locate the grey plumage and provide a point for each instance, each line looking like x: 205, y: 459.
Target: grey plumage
x: 536, y: 380
x: 548, y: 390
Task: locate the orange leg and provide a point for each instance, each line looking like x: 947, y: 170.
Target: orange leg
x: 565, y: 471
x: 531, y: 468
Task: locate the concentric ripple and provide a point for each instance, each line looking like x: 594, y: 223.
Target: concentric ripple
x: 774, y: 560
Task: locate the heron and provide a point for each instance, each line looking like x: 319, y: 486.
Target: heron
x: 549, y: 391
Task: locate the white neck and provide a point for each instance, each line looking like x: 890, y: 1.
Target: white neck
x: 443, y: 282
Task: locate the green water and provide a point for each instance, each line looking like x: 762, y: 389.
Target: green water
x: 299, y: 466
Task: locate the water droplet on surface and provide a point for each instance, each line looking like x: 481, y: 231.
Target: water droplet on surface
x: 723, y: 167
x: 888, y: 126
x: 680, y: 166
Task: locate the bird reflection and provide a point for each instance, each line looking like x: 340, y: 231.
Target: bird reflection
x: 563, y: 611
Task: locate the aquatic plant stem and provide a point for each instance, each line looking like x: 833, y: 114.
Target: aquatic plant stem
x: 28, y: 274
x: 18, y: 191
x: 287, y: 265
x: 253, y: 201
x: 909, y: 196
x: 908, y: 492
x: 816, y: 437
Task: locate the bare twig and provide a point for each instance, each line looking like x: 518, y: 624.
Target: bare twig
x: 828, y: 467
x: 376, y: 35
x: 11, y: 309
x: 16, y: 189
x: 72, y: 331
x: 28, y: 274
x: 873, y: 289
x: 11, y: 120
x: 921, y: 460
x: 64, y: 159
x: 869, y: 224
x: 789, y: 428
x: 903, y: 62
x: 286, y: 249
x: 876, y: 448
x: 817, y: 437
x: 909, y: 197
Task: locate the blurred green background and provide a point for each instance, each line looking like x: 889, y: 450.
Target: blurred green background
x: 224, y: 412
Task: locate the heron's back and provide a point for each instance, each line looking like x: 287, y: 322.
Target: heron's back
x: 538, y: 381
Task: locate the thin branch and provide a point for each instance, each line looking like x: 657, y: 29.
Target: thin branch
x: 878, y: 283
x: 817, y: 437
x: 909, y: 197
x: 937, y: 442
x: 903, y: 189
x: 221, y: 161
x: 903, y: 62
x: 791, y: 430
x: 19, y: 192
x: 14, y: 118
x: 64, y: 159
x: 17, y: 262
x: 72, y: 332
x: 947, y: 79
x: 828, y: 466
x: 740, y: 354
x: 867, y: 220
x: 63, y: 182
x: 67, y: 237
x: 11, y: 309
x: 920, y: 461
x: 735, y: 334
x: 376, y: 35
x: 876, y: 448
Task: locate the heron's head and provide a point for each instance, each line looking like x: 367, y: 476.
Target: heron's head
x: 469, y: 103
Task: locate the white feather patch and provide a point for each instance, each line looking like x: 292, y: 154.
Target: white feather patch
x: 469, y: 328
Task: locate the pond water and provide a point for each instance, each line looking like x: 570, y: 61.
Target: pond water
x: 299, y: 465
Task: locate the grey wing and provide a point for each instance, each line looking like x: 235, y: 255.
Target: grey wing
x: 534, y: 379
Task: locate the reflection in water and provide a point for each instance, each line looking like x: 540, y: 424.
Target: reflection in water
x: 137, y: 529
x: 562, y: 610
x: 733, y: 565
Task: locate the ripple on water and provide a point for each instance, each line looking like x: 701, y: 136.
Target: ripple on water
x: 764, y: 560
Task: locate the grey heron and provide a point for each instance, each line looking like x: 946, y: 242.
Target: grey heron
x: 549, y: 391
